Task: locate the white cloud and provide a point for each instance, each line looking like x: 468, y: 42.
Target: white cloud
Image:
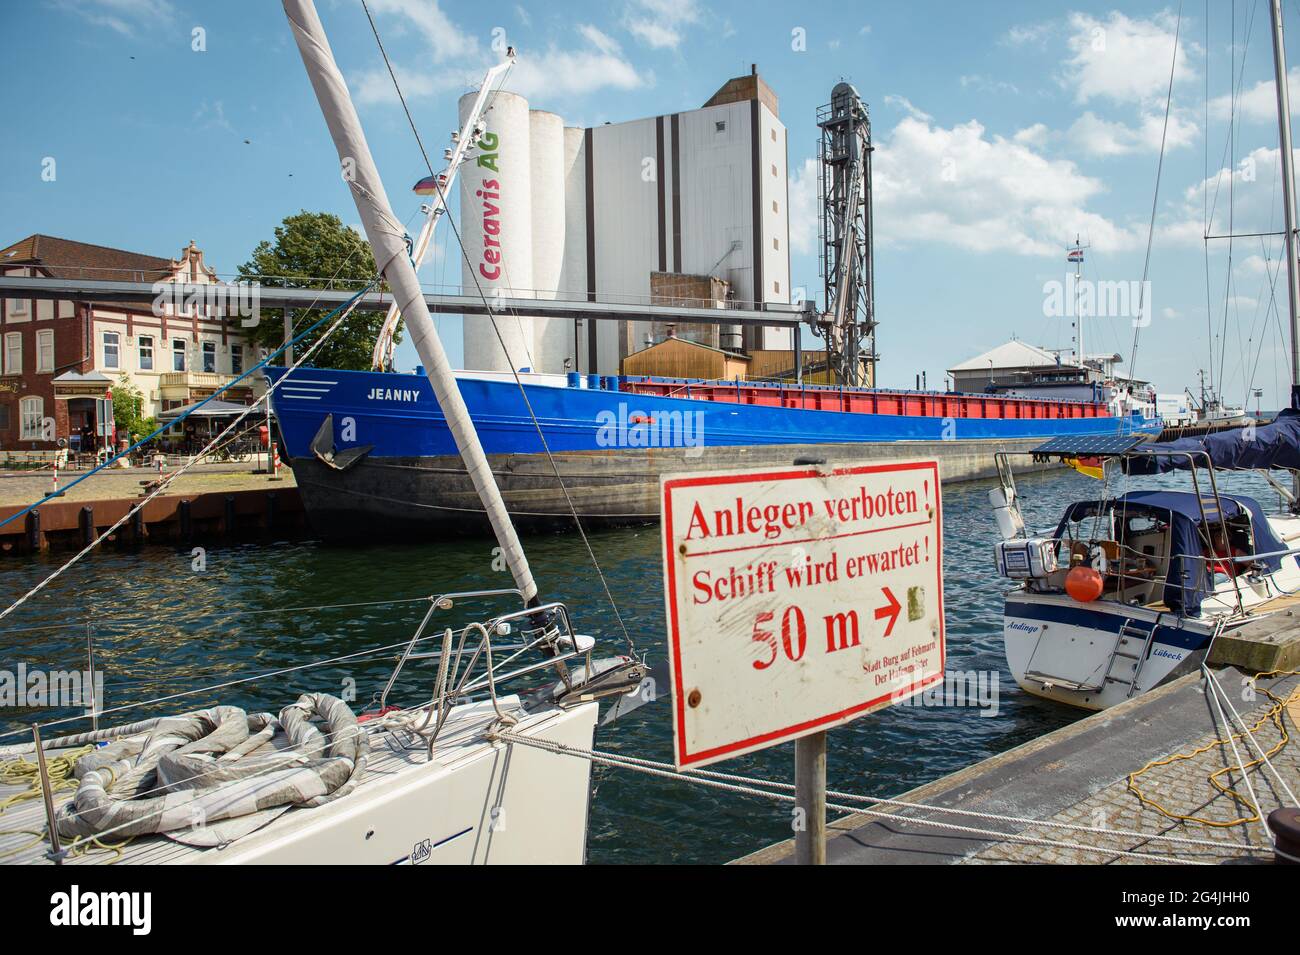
x: 1027, y: 34
x: 905, y: 104
x: 601, y: 41
x: 1035, y: 136
x: 653, y: 34
x: 1094, y: 136
x: 1122, y: 59
x: 658, y: 23
x: 960, y: 186
x: 597, y: 63
x: 803, y: 207
x: 121, y: 16
x: 558, y: 72
x: 1259, y: 103
x: 446, y: 40
x: 1256, y: 199
x: 376, y: 86
x: 987, y: 84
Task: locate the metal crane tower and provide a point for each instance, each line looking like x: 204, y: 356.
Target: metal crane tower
x: 849, y: 323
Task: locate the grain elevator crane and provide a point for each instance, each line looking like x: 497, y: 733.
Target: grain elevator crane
x: 848, y: 325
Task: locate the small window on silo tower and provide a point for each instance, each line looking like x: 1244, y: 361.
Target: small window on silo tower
x: 720, y: 126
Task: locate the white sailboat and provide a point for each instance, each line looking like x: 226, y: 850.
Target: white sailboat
x: 1131, y: 590
x: 432, y: 782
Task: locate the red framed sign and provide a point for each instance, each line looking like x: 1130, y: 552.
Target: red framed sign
x: 798, y: 599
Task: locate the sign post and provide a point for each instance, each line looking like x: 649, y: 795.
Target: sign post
x: 799, y: 599
x: 810, y: 798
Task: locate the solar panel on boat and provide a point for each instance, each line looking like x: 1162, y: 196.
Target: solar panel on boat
x: 1090, y: 444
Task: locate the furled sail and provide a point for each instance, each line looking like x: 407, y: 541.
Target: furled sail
x: 1273, y: 445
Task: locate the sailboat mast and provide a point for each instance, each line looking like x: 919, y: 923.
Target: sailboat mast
x: 387, y: 238
x: 1288, y: 194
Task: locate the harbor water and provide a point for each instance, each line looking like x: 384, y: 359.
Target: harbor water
x: 164, y: 621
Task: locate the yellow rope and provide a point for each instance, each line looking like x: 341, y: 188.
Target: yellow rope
x: 27, y: 772
x: 1274, y: 714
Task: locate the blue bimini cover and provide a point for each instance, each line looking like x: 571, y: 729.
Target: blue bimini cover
x: 1188, y: 579
x: 1273, y: 445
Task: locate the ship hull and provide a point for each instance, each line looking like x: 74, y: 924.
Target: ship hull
x: 396, y: 498
x: 609, y: 448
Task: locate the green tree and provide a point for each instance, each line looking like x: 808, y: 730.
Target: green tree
x: 128, y: 408
x: 316, y: 250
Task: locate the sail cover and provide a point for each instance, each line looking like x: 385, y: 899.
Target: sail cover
x: 1273, y: 445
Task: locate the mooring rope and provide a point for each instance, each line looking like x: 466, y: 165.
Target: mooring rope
x: 751, y: 786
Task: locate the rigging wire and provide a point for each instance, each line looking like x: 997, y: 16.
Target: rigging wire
x: 451, y: 221
x: 1155, y: 199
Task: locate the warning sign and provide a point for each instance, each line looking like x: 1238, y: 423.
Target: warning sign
x: 798, y: 600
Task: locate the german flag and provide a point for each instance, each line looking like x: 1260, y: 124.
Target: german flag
x: 1093, y: 467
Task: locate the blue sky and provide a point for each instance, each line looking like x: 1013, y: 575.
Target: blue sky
x: 1002, y: 130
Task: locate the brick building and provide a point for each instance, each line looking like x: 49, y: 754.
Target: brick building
x: 58, y: 359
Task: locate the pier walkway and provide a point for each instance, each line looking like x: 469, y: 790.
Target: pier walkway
x: 1080, y: 774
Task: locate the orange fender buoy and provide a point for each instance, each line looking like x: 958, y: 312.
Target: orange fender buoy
x: 1084, y: 584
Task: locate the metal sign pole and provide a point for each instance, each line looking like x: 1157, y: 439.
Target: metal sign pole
x: 810, y: 798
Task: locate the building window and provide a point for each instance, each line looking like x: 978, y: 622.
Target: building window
x: 776, y: 244
x: 209, y: 356
x: 146, y: 353
x: 32, y: 411
x: 17, y: 306
x: 775, y: 207
x: 112, y: 344
x: 720, y: 126
x: 178, y: 354
x: 4, y: 418
x: 45, y: 350
x: 236, y: 359
x: 774, y: 169
x: 776, y: 287
x: 773, y: 134
x: 14, y: 353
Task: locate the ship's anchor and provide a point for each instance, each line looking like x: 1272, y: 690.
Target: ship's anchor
x: 323, y: 447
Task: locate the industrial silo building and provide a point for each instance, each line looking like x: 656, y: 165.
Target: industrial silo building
x: 685, y: 207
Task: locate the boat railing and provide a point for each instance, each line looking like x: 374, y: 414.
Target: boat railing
x: 544, y: 628
x: 1206, y: 560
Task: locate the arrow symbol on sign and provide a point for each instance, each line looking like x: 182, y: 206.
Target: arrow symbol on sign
x: 890, y: 610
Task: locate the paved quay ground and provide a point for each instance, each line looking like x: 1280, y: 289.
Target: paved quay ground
x: 1079, y: 775
x: 18, y: 488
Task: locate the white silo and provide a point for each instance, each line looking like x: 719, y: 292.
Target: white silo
x: 546, y: 160
x: 496, y: 227
x: 573, y: 276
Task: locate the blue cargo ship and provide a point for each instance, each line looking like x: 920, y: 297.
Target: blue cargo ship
x: 373, y: 457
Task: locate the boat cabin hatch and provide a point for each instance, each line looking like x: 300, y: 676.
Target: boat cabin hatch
x: 1165, y: 548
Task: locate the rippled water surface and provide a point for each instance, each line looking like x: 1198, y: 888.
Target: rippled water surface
x: 161, y: 627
